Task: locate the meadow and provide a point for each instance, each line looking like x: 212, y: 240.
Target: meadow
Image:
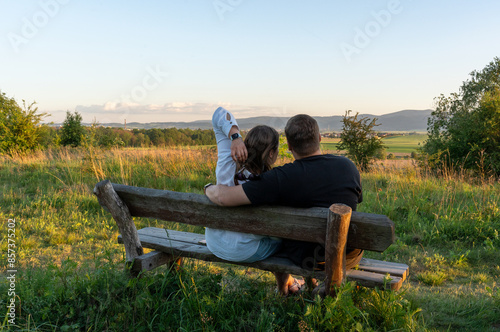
x: 71, y: 273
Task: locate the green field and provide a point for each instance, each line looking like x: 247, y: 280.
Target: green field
x: 394, y: 144
x: 70, y: 268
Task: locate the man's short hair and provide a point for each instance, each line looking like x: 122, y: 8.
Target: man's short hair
x: 302, y: 134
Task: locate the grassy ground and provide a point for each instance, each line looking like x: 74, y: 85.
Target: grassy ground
x: 70, y: 268
x: 398, y: 145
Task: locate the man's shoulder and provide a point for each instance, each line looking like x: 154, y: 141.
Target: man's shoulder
x: 336, y: 162
x: 324, y: 160
x: 329, y: 158
x: 340, y: 159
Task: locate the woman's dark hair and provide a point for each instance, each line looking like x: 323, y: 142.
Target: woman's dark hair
x: 260, y: 141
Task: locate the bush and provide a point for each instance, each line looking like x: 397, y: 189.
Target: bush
x: 19, y: 128
x: 72, y: 130
x: 381, y: 154
x: 360, y: 140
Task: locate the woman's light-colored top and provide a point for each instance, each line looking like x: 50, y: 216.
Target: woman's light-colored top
x: 228, y: 245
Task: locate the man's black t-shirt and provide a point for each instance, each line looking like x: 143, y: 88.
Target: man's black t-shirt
x: 317, y: 181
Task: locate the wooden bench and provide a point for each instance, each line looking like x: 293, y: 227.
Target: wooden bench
x: 335, y: 228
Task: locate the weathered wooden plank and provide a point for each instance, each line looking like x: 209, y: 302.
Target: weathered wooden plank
x: 394, y: 269
x: 366, y: 264
x: 172, y: 234
x: 367, y: 231
x: 178, y: 248
x: 371, y: 279
x: 159, y: 241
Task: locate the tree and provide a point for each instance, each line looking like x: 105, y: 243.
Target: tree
x: 49, y: 137
x: 360, y: 140
x: 19, y: 128
x: 72, y: 130
x: 464, y: 130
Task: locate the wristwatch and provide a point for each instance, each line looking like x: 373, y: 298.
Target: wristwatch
x: 235, y: 136
x: 206, y: 186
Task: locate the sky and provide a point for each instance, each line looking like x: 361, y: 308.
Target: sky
x: 178, y: 60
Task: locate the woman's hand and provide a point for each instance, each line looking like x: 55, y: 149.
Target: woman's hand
x: 239, y: 151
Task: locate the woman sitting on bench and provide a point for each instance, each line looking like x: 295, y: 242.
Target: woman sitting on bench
x: 255, y: 155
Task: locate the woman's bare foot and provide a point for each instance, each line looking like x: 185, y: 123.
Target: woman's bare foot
x: 295, y: 286
x: 288, y: 285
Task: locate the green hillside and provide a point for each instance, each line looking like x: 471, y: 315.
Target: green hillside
x: 394, y: 144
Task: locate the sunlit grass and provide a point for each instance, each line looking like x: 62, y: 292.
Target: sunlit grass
x: 446, y: 228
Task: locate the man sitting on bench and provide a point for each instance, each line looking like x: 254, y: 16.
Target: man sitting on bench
x: 312, y: 180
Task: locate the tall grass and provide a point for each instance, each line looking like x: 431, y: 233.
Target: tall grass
x: 71, y: 268
x: 447, y: 230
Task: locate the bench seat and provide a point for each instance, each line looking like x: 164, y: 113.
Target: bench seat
x: 170, y: 243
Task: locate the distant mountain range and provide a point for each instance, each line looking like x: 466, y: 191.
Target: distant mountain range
x: 405, y: 121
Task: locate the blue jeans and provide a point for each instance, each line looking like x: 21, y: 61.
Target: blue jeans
x: 267, y: 247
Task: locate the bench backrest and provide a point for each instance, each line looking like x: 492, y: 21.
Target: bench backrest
x: 367, y: 231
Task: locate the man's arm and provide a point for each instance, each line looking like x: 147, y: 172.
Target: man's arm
x: 227, y: 196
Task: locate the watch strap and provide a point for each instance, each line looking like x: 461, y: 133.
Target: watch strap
x: 235, y: 136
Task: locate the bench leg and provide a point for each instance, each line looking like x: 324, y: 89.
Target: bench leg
x: 339, y: 218
x: 109, y: 199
